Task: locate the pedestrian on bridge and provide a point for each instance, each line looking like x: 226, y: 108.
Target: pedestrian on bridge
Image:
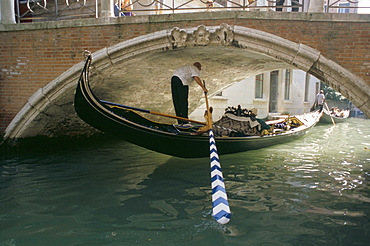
x: 281, y: 3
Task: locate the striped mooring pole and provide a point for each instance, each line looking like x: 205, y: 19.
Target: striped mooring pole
x: 221, y: 209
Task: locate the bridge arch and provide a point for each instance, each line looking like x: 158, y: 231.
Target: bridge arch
x: 50, y: 112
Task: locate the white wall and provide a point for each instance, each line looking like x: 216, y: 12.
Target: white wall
x: 243, y: 94
x: 297, y: 103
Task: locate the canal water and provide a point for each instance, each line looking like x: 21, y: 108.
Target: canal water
x: 313, y: 191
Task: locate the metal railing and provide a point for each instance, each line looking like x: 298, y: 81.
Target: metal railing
x: 348, y: 6
x: 54, y: 10
x: 173, y: 6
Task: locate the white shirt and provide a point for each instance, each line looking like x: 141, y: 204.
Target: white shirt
x: 320, y: 98
x: 186, y: 74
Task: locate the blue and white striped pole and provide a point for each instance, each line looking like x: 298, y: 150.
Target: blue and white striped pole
x: 221, y: 209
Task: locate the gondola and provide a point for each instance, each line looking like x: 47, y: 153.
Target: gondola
x: 329, y: 118
x: 125, y: 122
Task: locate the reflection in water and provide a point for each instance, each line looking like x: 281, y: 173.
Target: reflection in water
x: 314, y: 191
x: 318, y: 210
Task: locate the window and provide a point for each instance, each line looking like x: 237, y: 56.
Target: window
x: 287, y: 84
x: 258, y: 90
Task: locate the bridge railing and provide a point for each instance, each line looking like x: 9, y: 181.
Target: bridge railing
x: 173, y: 6
x: 54, y: 10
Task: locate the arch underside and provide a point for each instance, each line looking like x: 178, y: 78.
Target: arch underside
x: 137, y: 73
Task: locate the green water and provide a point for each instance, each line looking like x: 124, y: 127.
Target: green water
x: 313, y: 191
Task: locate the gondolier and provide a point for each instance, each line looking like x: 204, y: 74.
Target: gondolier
x: 320, y: 99
x: 180, y: 81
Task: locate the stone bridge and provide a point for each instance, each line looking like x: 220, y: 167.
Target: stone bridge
x: 134, y: 58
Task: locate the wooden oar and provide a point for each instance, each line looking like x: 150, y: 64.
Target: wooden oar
x: 327, y: 108
x: 152, y: 112
x: 221, y: 209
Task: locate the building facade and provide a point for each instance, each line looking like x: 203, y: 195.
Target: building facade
x: 284, y: 91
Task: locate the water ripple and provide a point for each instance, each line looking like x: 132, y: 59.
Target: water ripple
x: 313, y: 191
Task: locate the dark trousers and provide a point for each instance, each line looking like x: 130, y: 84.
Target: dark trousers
x: 281, y: 2
x: 278, y: 3
x: 180, y: 95
x: 321, y: 106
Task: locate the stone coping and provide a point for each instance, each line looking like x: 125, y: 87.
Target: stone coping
x: 261, y: 15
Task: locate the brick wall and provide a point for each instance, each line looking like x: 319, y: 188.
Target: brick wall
x: 32, y: 55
